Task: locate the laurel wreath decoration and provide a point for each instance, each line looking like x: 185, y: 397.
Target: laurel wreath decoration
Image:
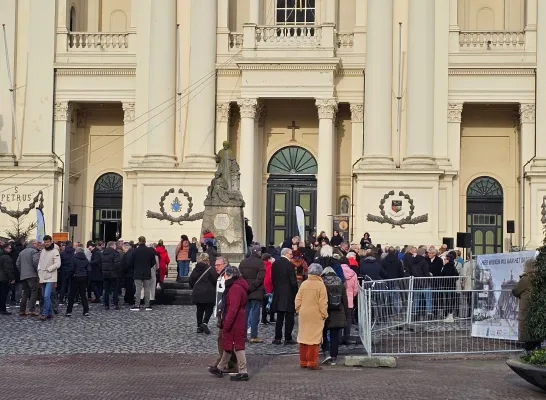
x: 386, y: 219
x: 39, y: 198
x: 163, y: 216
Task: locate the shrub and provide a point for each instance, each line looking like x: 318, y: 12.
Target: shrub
x: 536, y: 315
x: 537, y: 357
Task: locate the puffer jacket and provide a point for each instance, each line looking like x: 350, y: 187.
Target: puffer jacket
x: 336, y: 318
x: 81, y: 265
x: 6, y: 268
x: 253, y: 271
x: 111, y: 264
x: 67, y: 261
x: 351, y: 284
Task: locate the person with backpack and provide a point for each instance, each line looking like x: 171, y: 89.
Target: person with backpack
x: 338, y: 313
x: 183, y: 257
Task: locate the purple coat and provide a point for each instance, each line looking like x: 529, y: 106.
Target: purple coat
x: 234, y: 316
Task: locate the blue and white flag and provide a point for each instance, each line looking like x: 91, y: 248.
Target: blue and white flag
x: 40, y: 226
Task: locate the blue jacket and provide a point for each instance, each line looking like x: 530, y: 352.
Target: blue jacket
x: 372, y: 268
x: 334, y: 264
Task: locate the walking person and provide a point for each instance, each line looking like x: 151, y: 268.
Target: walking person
x: 111, y: 274
x: 312, y: 308
x: 164, y: 261
x: 7, y: 277
x: 233, y: 325
x: 285, y: 288
x: 268, y: 261
x: 253, y: 271
x: 27, y: 264
x: 203, y: 281
x: 351, y: 287
x: 78, y: 283
x: 66, y: 271
x: 142, y: 260
x: 183, y: 257
x: 49, y: 263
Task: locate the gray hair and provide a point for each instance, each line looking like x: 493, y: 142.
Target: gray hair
x: 223, y: 258
x: 126, y: 247
x: 315, y: 269
x: 285, y: 251
x: 232, y: 271
x: 111, y: 244
x: 326, y: 251
x: 203, y: 257
x: 79, y: 250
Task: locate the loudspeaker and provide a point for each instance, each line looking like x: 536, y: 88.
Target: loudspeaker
x: 449, y: 242
x: 463, y: 240
x: 73, y: 219
x: 510, y: 227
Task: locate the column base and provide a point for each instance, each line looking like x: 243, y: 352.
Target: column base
x: 443, y: 162
x: 7, y: 160
x: 419, y: 162
x: 159, y: 161
x: 376, y: 162
x: 199, y: 162
x: 538, y: 164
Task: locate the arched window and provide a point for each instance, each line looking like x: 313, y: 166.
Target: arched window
x: 484, y: 188
x: 72, y: 23
x: 292, y: 160
x: 110, y: 182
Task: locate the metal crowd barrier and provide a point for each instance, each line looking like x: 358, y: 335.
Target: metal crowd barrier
x: 434, y: 316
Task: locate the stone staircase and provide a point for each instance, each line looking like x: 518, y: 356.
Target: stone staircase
x: 174, y: 293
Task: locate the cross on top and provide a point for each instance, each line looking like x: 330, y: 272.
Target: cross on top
x: 293, y: 127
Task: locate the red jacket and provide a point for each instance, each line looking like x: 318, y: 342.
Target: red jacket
x: 268, y: 283
x: 234, y: 315
x: 164, y: 261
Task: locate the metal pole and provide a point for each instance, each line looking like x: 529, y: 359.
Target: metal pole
x: 178, y: 93
x: 12, y: 97
x: 399, y: 95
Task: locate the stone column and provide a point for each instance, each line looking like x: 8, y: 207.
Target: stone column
x: 540, y: 92
x: 259, y: 200
x: 331, y: 12
x: 357, y: 134
x: 361, y: 11
x: 378, y: 88
x: 454, y: 28
x: 255, y: 7
x: 420, y: 87
x: 222, y: 37
x: 162, y: 85
x: 62, y: 125
x: 531, y: 25
x: 202, y: 98
x: 9, y: 147
x: 222, y: 123
x: 128, y: 128
x: 327, y: 109
x: 247, y: 148
x: 454, y: 117
x: 441, y: 82
x: 527, y: 150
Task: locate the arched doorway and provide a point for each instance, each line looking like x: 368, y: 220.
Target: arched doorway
x: 484, y: 215
x: 107, y: 201
x: 72, y: 22
x: 292, y: 182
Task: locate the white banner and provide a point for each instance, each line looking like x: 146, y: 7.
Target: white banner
x: 495, y: 313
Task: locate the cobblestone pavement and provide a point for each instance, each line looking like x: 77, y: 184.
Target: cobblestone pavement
x: 182, y: 376
x: 166, y: 329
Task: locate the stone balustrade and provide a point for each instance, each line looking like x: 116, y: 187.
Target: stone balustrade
x: 345, y: 41
x: 107, y: 41
x: 491, y: 40
x: 288, y: 36
x: 235, y: 41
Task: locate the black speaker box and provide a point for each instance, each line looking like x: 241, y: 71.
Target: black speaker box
x: 449, y: 242
x: 463, y: 240
x: 510, y: 227
x: 73, y: 219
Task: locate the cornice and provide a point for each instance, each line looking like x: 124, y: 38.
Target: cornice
x: 229, y: 72
x: 95, y: 72
x: 289, y: 67
x: 492, y: 71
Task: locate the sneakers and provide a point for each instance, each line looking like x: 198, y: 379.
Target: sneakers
x: 256, y: 340
x: 200, y: 329
x: 68, y: 314
x: 205, y: 328
x: 148, y: 308
x: 334, y: 361
x: 327, y: 361
x: 239, y: 378
x: 276, y: 341
x: 449, y: 318
x: 86, y: 314
x: 135, y: 308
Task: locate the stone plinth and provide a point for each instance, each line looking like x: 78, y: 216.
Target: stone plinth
x: 227, y: 224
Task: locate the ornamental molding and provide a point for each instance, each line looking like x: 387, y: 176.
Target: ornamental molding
x: 95, y: 72
x: 63, y: 111
x: 81, y: 118
x: 491, y: 71
x: 290, y: 67
x: 357, y: 112
x: 128, y: 112
x: 228, y: 72
x: 327, y: 108
x: 247, y: 108
x: 350, y: 72
x: 396, y: 214
x: 223, y: 111
x: 454, y: 112
x: 527, y: 113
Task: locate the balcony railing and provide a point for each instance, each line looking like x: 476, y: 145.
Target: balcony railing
x: 235, y: 41
x: 101, y: 41
x: 485, y: 40
x: 345, y: 41
x: 288, y: 36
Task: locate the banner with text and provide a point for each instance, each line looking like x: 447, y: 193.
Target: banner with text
x: 341, y: 224
x: 495, y: 313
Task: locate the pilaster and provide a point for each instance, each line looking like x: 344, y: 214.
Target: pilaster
x: 128, y: 127
x: 357, y: 131
x: 247, y: 147
x: 222, y: 123
x: 63, y: 117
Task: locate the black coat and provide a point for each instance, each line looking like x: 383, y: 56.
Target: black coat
x: 127, y: 270
x: 285, y: 286
x: 111, y: 264
x: 393, y: 266
x: 6, y: 268
x: 435, y: 267
x: 204, y: 291
x: 95, y: 265
x: 372, y: 268
x: 448, y: 270
x: 336, y: 318
x: 16, y: 250
x: 419, y: 267
x: 253, y: 271
x: 192, y: 252
x: 81, y: 265
x: 408, y: 262
x: 142, y: 259
x: 336, y: 240
x: 67, y: 261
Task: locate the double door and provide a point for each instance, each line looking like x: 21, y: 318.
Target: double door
x: 283, y: 195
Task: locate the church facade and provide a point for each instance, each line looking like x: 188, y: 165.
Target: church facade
x: 411, y: 120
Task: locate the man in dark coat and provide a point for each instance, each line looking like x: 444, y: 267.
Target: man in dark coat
x: 142, y: 260
x: 95, y: 274
x: 66, y: 271
x: 127, y: 272
x: 7, y: 277
x: 392, y: 265
x: 371, y: 268
x: 111, y: 273
x: 420, y: 270
x: 285, y: 288
x: 252, y: 270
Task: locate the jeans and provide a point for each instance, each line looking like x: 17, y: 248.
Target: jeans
x: 288, y: 327
x: 265, y: 312
x: 253, y: 317
x: 419, y: 295
x: 183, y: 268
x: 110, y: 286
x: 331, y: 345
x: 204, y: 312
x: 77, y: 286
x: 16, y: 292
x: 4, y: 291
x: 47, y: 290
x: 30, y: 294
x: 139, y: 284
x: 395, y: 299
x: 96, y: 287
x: 64, y: 284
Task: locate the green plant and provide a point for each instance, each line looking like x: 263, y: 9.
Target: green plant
x: 537, y: 357
x: 536, y: 315
x: 20, y: 233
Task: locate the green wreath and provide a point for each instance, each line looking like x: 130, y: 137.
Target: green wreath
x: 386, y: 219
x: 163, y: 216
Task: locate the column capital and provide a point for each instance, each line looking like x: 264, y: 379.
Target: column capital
x: 247, y: 107
x: 527, y: 113
x: 327, y: 108
x: 63, y: 111
x: 454, y: 112
x: 223, y: 111
x: 357, y: 112
x: 128, y: 112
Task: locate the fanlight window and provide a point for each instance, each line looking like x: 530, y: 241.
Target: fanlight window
x: 110, y: 182
x: 484, y: 187
x: 292, y: 160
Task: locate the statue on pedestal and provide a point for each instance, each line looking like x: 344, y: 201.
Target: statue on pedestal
x: 225, y: 186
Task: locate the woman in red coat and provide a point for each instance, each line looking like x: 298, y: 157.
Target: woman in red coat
x: 164, y: 261
x: 233, y: 324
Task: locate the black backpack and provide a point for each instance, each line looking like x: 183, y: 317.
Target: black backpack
x: 335, y: 301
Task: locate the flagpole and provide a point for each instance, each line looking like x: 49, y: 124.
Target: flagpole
x: 12, y: 90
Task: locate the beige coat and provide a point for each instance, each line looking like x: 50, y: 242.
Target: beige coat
x: 312, y: 307
x: 50, y: 262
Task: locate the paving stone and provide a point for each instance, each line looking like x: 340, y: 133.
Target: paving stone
x: 370, y: 362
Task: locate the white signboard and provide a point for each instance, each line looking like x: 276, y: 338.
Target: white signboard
x: 495, y: 313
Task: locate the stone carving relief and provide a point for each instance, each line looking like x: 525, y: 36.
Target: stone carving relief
x: 37, y: 202
x: 327, y: 108
x: 543, y: 212
x: 175, y: 204
x: 396, y: 214
x: 128, y: 112
x: 454, y: 112
x: 224, y: 188
x: 63, y: 111
x: 527, y: 113
x: 81, y: 118
x: 247, y: 107
x: 357, y: 112
x: 223, y: 111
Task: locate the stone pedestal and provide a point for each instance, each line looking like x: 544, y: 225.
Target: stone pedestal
x: 227, y: 224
